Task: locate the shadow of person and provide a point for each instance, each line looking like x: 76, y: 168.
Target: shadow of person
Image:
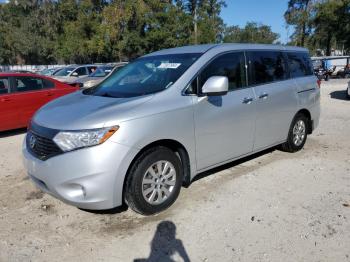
x: 164, y: 245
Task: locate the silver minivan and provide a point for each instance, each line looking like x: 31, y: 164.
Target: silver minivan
x: 151, y: 127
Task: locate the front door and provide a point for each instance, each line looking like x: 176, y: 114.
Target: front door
x: 8, y: 110
x: 31, y: 93
x: 224, y: 125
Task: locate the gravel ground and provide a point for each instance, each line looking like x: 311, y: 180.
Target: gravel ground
x: 274, y: 206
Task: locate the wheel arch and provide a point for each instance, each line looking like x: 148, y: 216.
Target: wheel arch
x: 307, y: 114
x: 178, y: 148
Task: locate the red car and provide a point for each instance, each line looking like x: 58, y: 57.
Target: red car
x: 22, y: 94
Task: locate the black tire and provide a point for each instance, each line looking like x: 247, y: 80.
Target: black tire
x: 289, y: 145
x: 133, y: 189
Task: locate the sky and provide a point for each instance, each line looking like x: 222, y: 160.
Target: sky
x: 268, y: 12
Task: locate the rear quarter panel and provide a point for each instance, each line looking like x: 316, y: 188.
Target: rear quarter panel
x: 308, y: 94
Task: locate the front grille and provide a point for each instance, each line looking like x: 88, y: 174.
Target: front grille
x: 42, y: 147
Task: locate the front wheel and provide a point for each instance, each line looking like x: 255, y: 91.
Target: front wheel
x: 297, y: 134
x: 154, y: 181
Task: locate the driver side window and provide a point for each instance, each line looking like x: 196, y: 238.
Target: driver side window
x: 231, y: 65
x: 81, y: 71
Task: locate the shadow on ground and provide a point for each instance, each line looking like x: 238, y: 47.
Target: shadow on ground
x: 164, y: 245
x: 111, y: 211
x: 340, y: 95
x: 14, y: 132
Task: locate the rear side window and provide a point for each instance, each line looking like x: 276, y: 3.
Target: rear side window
x: 27, y: 83
x: 266, y: 66
x: 299, y: 64
x: 4, y: 85
x: 231, y: 65
x: 48, y: 83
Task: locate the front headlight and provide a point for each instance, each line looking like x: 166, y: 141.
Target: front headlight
x: 70, y: 140
x: 89, y: 84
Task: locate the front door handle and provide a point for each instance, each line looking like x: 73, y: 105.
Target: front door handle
x: 263, y: 96
x: 247, y: 100
x: 49, y: 94
x: 5, y: 99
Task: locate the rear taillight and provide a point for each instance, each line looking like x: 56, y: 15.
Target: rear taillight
x: 319, y: 83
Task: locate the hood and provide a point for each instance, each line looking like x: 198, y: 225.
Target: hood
x: 78, y: 111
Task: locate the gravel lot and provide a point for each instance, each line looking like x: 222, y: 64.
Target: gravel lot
x: 274, y: 206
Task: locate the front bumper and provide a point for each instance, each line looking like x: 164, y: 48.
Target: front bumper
x: 89, y: 178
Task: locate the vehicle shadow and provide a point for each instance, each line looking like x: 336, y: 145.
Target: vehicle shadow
x: 165, y: 244
x: 340, y: 95
x: 232, y: 164
x: 14, y: 132
x: 112, y: 211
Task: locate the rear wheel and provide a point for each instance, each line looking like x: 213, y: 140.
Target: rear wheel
x: 154, y: 181
x: 297, y: 134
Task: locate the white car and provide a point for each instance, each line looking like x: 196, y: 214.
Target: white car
x: 70, y: 74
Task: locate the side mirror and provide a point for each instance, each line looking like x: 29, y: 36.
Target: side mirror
x: 215, y: 86
x: 74, y: 74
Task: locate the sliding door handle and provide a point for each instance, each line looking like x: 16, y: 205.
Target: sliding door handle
x: 263, y: 96
x: 247, y: 100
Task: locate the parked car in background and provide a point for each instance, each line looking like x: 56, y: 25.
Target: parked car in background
x: 20, y: 71
x: 70, y: 74
x: 151, y: 127
x: 49, y: 71
x: 22, y: 94
x: 348, y: 90
x: 98, y: 76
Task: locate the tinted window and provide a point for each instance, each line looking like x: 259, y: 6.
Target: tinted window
x: 230, y: 65
x: 265, y: 67
x: 27, y: 83
x: 48, y: 83
x: 299, y: 64
x: 81, y: 71
x: 4, y: 85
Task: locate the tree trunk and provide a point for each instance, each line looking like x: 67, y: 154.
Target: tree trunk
x: 303, y: 31
x: 195, y: 26
x: 328, y: 44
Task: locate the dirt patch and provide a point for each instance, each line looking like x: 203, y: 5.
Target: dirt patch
x: 35, y: 195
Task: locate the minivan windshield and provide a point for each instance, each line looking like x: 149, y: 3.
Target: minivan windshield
x: 146, y: 75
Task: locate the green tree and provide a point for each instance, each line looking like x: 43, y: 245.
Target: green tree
x: 298, y: 15
x: 331, y: 24
x: 251, y: 33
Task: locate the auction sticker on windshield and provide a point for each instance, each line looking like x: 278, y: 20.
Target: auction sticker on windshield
x: 169, y: 65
